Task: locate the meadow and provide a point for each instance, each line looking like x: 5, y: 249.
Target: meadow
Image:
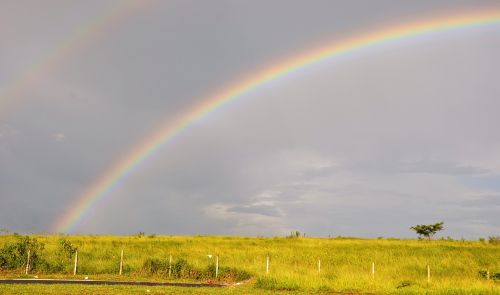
x: 456, y: 267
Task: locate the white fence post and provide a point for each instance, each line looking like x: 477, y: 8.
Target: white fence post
x: 76, y: 262
x: 121, y: 263
x: 217, y: 266
x: 170, y: 266
x: 267, y: 265
x: 28, y: 262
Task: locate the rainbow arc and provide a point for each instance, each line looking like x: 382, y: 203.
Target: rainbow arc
x: 167, y: 131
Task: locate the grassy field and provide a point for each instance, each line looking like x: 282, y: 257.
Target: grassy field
x: 346, y: 264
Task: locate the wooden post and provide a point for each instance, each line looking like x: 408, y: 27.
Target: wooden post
x: 217, y: 266
x: 170, y: 266
x: 373, y: 270
x: 319, y: 265
x: 428, y: 274
x: 76, y: 262
x: 121, y: 263
x: 267, y: 265
x: 488, y: 274
x: 28, y: 262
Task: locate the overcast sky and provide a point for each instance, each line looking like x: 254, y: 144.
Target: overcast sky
x: 364, y: 145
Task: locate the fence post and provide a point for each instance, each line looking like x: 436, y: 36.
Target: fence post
x: 428, y: 274
x: 488, y: 274
x: 267, y: 265
x: 373, y: 270
x: 217, y: 266
x: 76, y: 262
x: 121, y: 263
x: 170, y: 266
x: 28, y: 262
x: 319, y: 265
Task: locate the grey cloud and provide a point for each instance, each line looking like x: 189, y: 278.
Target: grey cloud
x: 7, y: 130
x: 483, y: 202
x: 441, y: 168
x: 365, y: 144
x: 257, y: 209
x: 382, y: 166
x: 320, y: 172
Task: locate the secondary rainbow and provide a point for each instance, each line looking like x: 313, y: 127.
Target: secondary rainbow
x: 171, y: 128
x: 83, y: 36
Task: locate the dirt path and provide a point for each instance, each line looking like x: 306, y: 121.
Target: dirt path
x: 100, y: 282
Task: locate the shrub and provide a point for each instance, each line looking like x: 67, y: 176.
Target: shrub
x: 493, y: 275
x: 182, y: 269
x: 66, y: 249
x: 294, y: 234
x: 230, y: 274
x: 404, y: 284
x: 494, y: 240
x: 15, y: 255
x: 64, y: 254
x: 154, y: 266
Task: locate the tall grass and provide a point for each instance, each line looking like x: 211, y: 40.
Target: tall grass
x: 401, y: 265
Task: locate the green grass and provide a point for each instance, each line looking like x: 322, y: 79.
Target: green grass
x: 401, y: 265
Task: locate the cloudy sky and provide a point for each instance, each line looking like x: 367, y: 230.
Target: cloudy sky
x: 364, y: 145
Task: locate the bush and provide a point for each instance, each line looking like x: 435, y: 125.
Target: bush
x: 493, y: 275
x: 153, y: 266
x: 64, y: 256
x: 404, y: 284
x: 183, y: 270
x: 15, y: 255
x: 233, y: 274
x: 494, y: 240
x: 180, y: 268
x: 66, y: 250
x: 294, y: 235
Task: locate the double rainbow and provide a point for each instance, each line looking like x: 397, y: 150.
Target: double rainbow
x: 118, y: 172
x: 82, y: 37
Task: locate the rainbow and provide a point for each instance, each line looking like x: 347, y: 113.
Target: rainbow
x: 77, y: 40
x: 121, y: 169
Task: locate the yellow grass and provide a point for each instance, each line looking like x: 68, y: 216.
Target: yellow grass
x: 346, y: 264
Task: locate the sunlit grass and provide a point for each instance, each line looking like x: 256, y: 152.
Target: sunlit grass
x: 400, y: 265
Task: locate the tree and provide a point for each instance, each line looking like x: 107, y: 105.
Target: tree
x: 427, y: 230
x: 294, y: 234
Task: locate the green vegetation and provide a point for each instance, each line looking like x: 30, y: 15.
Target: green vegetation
x: 427, y: 230
x: 14, y: 255
x: 457, y: 267
x: 494, y: 240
